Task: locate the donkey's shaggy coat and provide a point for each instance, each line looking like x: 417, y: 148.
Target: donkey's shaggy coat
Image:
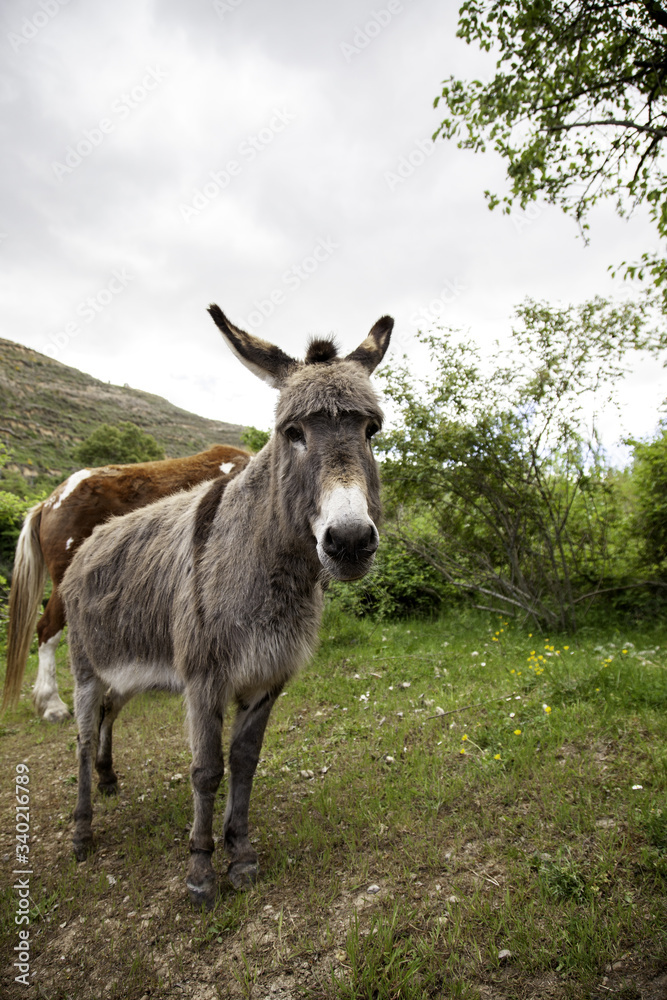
x: 217, y: 592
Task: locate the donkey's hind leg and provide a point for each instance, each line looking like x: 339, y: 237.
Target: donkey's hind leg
x: 111, y: 706
x: 87, y: 701
x: 244, y: 751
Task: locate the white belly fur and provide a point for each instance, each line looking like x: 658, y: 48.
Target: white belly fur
x: 131, y: 678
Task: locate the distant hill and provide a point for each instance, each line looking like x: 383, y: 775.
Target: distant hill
x: 46, y: 408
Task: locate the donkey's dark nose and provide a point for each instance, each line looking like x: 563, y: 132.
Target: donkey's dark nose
x: 351, y: 542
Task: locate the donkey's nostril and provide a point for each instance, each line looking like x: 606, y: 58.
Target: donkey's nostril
x: 353, y: 542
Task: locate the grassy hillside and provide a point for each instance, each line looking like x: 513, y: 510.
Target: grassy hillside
x: 47, y: 408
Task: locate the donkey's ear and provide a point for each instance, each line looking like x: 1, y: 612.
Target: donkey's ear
x: 263, y: 359
x: 371, y: 352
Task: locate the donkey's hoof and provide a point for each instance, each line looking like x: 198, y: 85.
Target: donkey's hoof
x: 108, y: 787
x: 203, y: 895
x: 243, y: 874
x: 83, y: 848
x: 57, y: 713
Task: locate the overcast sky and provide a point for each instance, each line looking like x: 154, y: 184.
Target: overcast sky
x: 274, y: 158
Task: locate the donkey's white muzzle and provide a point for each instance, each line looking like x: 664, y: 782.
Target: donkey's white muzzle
x: 347, y: 539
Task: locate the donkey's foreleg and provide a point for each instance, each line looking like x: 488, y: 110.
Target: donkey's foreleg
x: 87, y: 700
x: 111, y: 706
x: 206, y: 773
x: 48, y: 703
x: 246, y: 744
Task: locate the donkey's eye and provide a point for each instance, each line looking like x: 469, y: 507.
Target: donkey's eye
x: 295, y: 434
x: 372, y: 430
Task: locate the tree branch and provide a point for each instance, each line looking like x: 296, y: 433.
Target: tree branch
x: 657, y: 133
x: 656, y: 13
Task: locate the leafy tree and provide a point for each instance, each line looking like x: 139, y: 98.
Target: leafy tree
x: 495, y: 476
x: 254, y: 439
x: 577, y: 105
x: 119, y: 444
x: 649, y: 477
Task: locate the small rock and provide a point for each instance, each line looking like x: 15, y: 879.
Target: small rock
x: 307, y: 774
x: 373, y: 889
x: 504, y: 954
x: 389, y: 760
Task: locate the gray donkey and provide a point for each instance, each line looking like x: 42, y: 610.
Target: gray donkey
x: 217, y: 592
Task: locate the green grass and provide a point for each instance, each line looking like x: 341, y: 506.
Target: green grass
x: 512, y: 854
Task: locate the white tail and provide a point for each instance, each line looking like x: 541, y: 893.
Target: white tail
x: 24, y: 601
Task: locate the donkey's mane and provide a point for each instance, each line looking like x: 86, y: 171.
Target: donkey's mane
x: 321, y: 349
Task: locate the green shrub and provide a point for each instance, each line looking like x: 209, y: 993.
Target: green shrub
x: 121, y: 444
x: 400, y: 585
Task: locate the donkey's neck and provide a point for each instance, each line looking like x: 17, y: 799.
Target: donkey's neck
x: 266, y: 513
